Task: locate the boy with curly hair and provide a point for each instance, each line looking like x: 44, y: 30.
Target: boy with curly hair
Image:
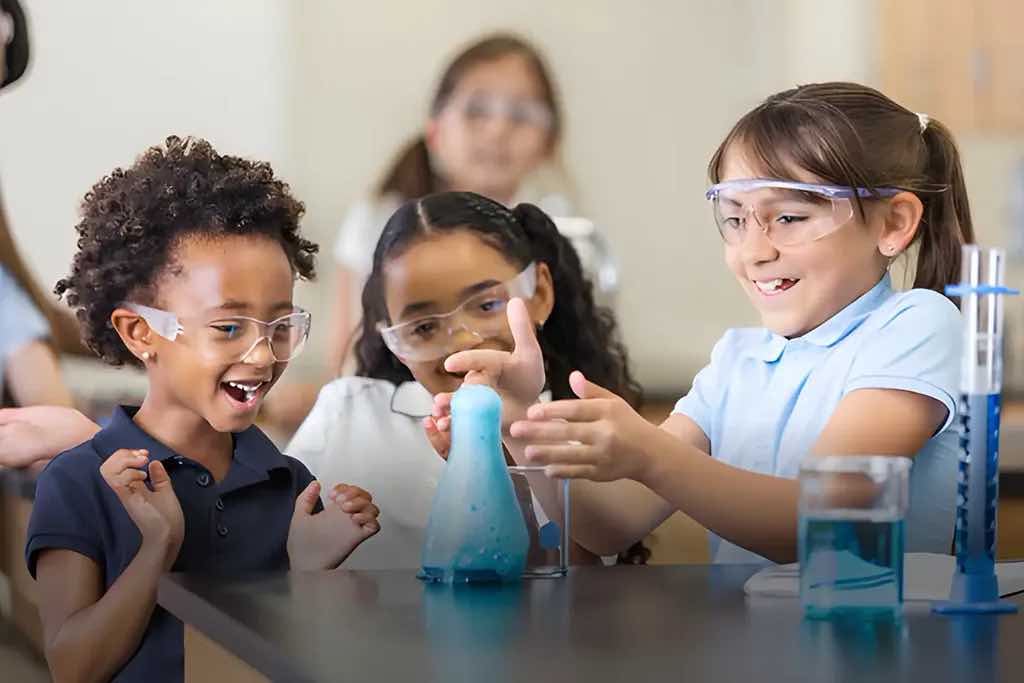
x: 186, y: 264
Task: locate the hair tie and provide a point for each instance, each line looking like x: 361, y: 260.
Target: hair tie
x: 923, y: 120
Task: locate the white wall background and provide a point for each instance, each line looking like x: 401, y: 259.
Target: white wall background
x: 327, y: 90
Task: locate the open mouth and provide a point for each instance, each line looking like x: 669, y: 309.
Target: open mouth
x: 244, y: 394
x: 776, y: 286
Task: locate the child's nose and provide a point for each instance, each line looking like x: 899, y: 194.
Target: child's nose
x: 260, y: 354
x: 464, y: 339
x: 496, y: 126
x: 756, y: 247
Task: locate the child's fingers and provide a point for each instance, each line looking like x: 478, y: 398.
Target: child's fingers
x: 128, y: 477
x: 368, y: 515
x: 341, y: 492
x: 571, y: 472
x: 439, y: 441
x: 121, y: 460
x: 370, y: 528
x: 553, y: 431
x: 356, y: 505
x: 560, y: 454
x: 524, y: 334
x: 575, y: 410
x: 584, y: 388
x: 442, y: 404
x: 487, y: 361
x: 306, y: 501
x: 158, y: 477
x: 10, y: 415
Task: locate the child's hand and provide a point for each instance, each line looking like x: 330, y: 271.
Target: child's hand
x: 38, y: 433
x: 438, y: 428
x: 517, y: 376
x: 599, y: 437
x: 157, y: 512
x: 324, y: 540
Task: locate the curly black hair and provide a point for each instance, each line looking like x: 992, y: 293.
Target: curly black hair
x: 579, y: 334
x: 134, y: 219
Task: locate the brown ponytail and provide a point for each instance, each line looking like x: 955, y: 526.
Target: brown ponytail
x: 946, y: 224
x: 411, y: 175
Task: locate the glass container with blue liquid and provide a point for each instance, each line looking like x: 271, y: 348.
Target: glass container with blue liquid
x: 476, y: 531
x: 851, y: 543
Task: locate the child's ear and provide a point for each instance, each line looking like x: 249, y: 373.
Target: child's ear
x: 134, y: 332
x: 430, y: 132
x: 902, y: 220
x: 543, y: 300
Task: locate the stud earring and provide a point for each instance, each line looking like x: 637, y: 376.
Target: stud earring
x: 146, y: 355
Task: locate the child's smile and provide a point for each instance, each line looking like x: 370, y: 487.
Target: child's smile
x: 213, y: 287
x: 774, y: 286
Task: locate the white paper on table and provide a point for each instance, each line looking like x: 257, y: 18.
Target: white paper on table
x: 926, y: 576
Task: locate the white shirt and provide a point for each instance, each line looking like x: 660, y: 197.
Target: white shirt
x: 764, y: 400
x: 369, y: 433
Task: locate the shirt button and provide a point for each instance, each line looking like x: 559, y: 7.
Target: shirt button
x: 220, y: 505
x: 203, y: 480
x: 222, y: 531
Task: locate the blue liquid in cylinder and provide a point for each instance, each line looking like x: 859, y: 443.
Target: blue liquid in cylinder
x: 977, y: 484
x: 476, y: 531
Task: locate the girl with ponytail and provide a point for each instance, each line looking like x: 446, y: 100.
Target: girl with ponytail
x: 444, y: 269
x: 494, y: 119
x: 815, y: 192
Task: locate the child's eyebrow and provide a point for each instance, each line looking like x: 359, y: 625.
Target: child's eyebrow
x: 426, y: 306
x: 234, y: 306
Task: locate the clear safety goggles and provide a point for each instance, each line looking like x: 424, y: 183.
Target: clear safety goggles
x: 231, y: 339
x: 788, y: 213
x: 480, y: 107
x: 482, y: 316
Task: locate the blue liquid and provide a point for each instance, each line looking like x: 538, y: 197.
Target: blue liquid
x: 977, y: 484
x: 851, y: 567
x: 476, y: 532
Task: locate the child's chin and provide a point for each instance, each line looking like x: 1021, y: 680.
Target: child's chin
x: 782, y: 325
x: 223, y: 422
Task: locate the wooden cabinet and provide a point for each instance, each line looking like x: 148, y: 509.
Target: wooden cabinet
x: 961, y: 61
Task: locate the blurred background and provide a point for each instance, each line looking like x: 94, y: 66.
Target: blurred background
x: 328, y: 90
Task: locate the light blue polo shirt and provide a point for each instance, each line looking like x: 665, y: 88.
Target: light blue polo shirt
x: 764, y: 399
x: 20, y: 320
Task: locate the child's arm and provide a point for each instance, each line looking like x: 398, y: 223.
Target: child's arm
x: 614, y: 444
x: 752, y: 510
x: 36, y: 433
x: 89, y: 634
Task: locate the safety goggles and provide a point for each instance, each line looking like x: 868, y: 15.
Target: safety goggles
x: 231, y: 339
x: 482, y: 316
x: 481, y: 107
x: 788, y: 213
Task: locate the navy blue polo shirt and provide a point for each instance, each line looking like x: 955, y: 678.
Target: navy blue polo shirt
x: 237, y: 526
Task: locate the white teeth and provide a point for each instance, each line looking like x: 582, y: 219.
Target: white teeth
x: 249, y: 389
x: 768, y: 285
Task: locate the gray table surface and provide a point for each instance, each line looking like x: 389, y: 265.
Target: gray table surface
x: 659, y: 623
